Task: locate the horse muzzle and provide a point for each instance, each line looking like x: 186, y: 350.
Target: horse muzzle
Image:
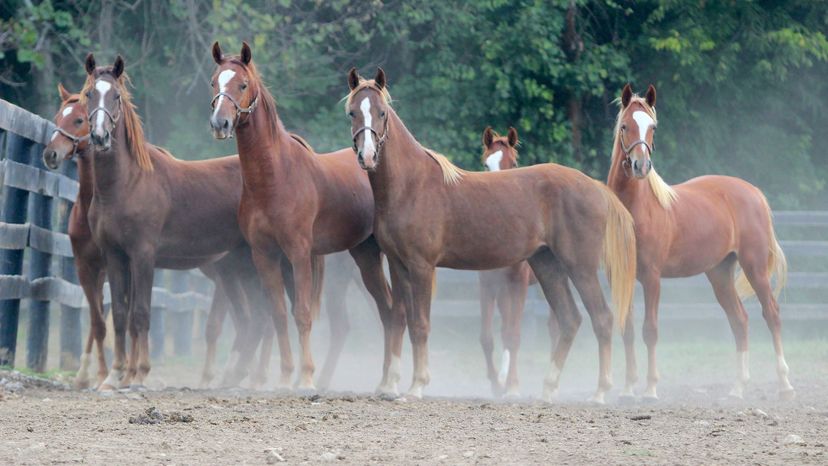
x: 101, y: 139
x: 641, y: 168
x: 51, y: 159
x: 368, y: 162
x: 222, y: 127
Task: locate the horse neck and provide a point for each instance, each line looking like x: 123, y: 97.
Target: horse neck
x: 260, y: 153
x: 399, y: 164
x: 116, y: 169
x: 629, y: 190
x: 86, y: 176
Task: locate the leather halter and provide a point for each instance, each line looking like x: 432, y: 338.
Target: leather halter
x: 76, y: 140
x: 102, y: 108
x: 627, y: 163
x: 239, y: 110
x: 380, y: 140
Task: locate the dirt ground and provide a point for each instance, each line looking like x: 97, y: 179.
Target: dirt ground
x: 48, y: 424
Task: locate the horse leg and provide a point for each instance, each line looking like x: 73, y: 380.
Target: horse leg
x: 488, y: 295
x: 400, y: 291
x: 270, y: 271
x: 552, y: 278
x: 117, y: 270
x: 585, y: 279
x: 337, y: 309
x: 651, y: 283
x: 259, y: 378
x: 247, y: 334
x: 212, y: 332
x: 516, y: 300
x: 628, y: 395
x: 419, y: 324
x: 721, y: 277
x: 755, y: 267
x: 301, y: 263
x: 91, y: 281
x: 142, y: 271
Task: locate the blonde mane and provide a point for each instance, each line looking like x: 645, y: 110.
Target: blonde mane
x: 134, y: 129
x: 452, y: 174
x: 664, y: 193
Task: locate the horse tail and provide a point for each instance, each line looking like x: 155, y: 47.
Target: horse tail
x: 777, y: 263
x: 619, y: 254
x: 317, y: 275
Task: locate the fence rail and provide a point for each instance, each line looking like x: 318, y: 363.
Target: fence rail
x: 27, y: 224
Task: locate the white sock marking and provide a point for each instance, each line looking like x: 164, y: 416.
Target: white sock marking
x: 504, y: 367
x: 493, y: 161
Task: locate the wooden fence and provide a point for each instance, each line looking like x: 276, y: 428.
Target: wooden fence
x: 33, y: 235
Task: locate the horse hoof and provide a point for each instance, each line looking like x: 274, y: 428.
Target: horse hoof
x: 137, y: 387
x: 550, y: 396
x: 649, y: 399
x: 106, y: 388
x: 626, y: 400
x: 415, y: 393
x: 81, y: 384
x: 306, y: 391
x: 512, y: 395
x: 787, y: 395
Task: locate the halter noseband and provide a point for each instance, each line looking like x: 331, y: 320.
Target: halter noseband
x: 626, y: 163
x: 102, y: 108
x: 380, y: 140
x: 76, y: 140
x: 239, y: 109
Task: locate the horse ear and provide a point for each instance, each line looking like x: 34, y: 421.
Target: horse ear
x: 90, y: 63
x: 353, y: 78
x: 651, y: 96
x: 218, y: 56
x: 513, y: 137
x: 64, y: 94
x: 118, y: 67
x: 380, y: 78
x: 626, y: 95
x: 246, y: 54
x: 488, y: 136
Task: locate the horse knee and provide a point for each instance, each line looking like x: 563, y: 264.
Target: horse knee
x: 602, y: 324
x: 568, y: 325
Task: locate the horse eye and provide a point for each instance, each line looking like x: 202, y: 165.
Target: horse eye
x: 243, y: 86
x: 382, y: 114
x: 89, y: 94
x: 351, y: 114
x: 79, y: 121
x: 623, y: 127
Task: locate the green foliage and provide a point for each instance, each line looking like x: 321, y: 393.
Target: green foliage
x: 741, y: 88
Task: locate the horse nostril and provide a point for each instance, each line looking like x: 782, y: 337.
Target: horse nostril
x: 649, y: 165
x: 226, y: 124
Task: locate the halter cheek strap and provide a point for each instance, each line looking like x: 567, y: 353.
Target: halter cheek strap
x: 380, y: 139
x: 103, y: 109
x: 76, y: 140
x: 239, y: 110
x: 627, y: 163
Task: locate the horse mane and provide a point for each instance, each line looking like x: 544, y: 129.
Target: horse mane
x: 266, y: 99
x: 664, y: 193
x: 452, y: 174
x: 134, y: 129
x: 302, y: 141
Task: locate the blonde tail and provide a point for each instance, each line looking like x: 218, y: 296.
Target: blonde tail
x: 777, y: 265
x: 619, y: 254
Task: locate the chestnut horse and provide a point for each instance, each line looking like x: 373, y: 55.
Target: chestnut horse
x: 71, y: 140
x: 705, y: 225
x: 429, y: 213
x: 505, y: 287
x: 295, y: 204
x: 150, y: 210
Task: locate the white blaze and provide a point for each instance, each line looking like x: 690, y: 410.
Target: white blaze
x: 103, y: 87
x: 67, y: 111
x: 644, y: 122
x: 223, y: 79
x: 493, y: 161
x: 367, y: 141
x: 54, y: 135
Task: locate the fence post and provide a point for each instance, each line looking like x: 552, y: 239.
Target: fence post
x: 157, y: 321
x: 183, y: 320
x: 70, y: 317
x: 40, y: 266
x: 11, y: 260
